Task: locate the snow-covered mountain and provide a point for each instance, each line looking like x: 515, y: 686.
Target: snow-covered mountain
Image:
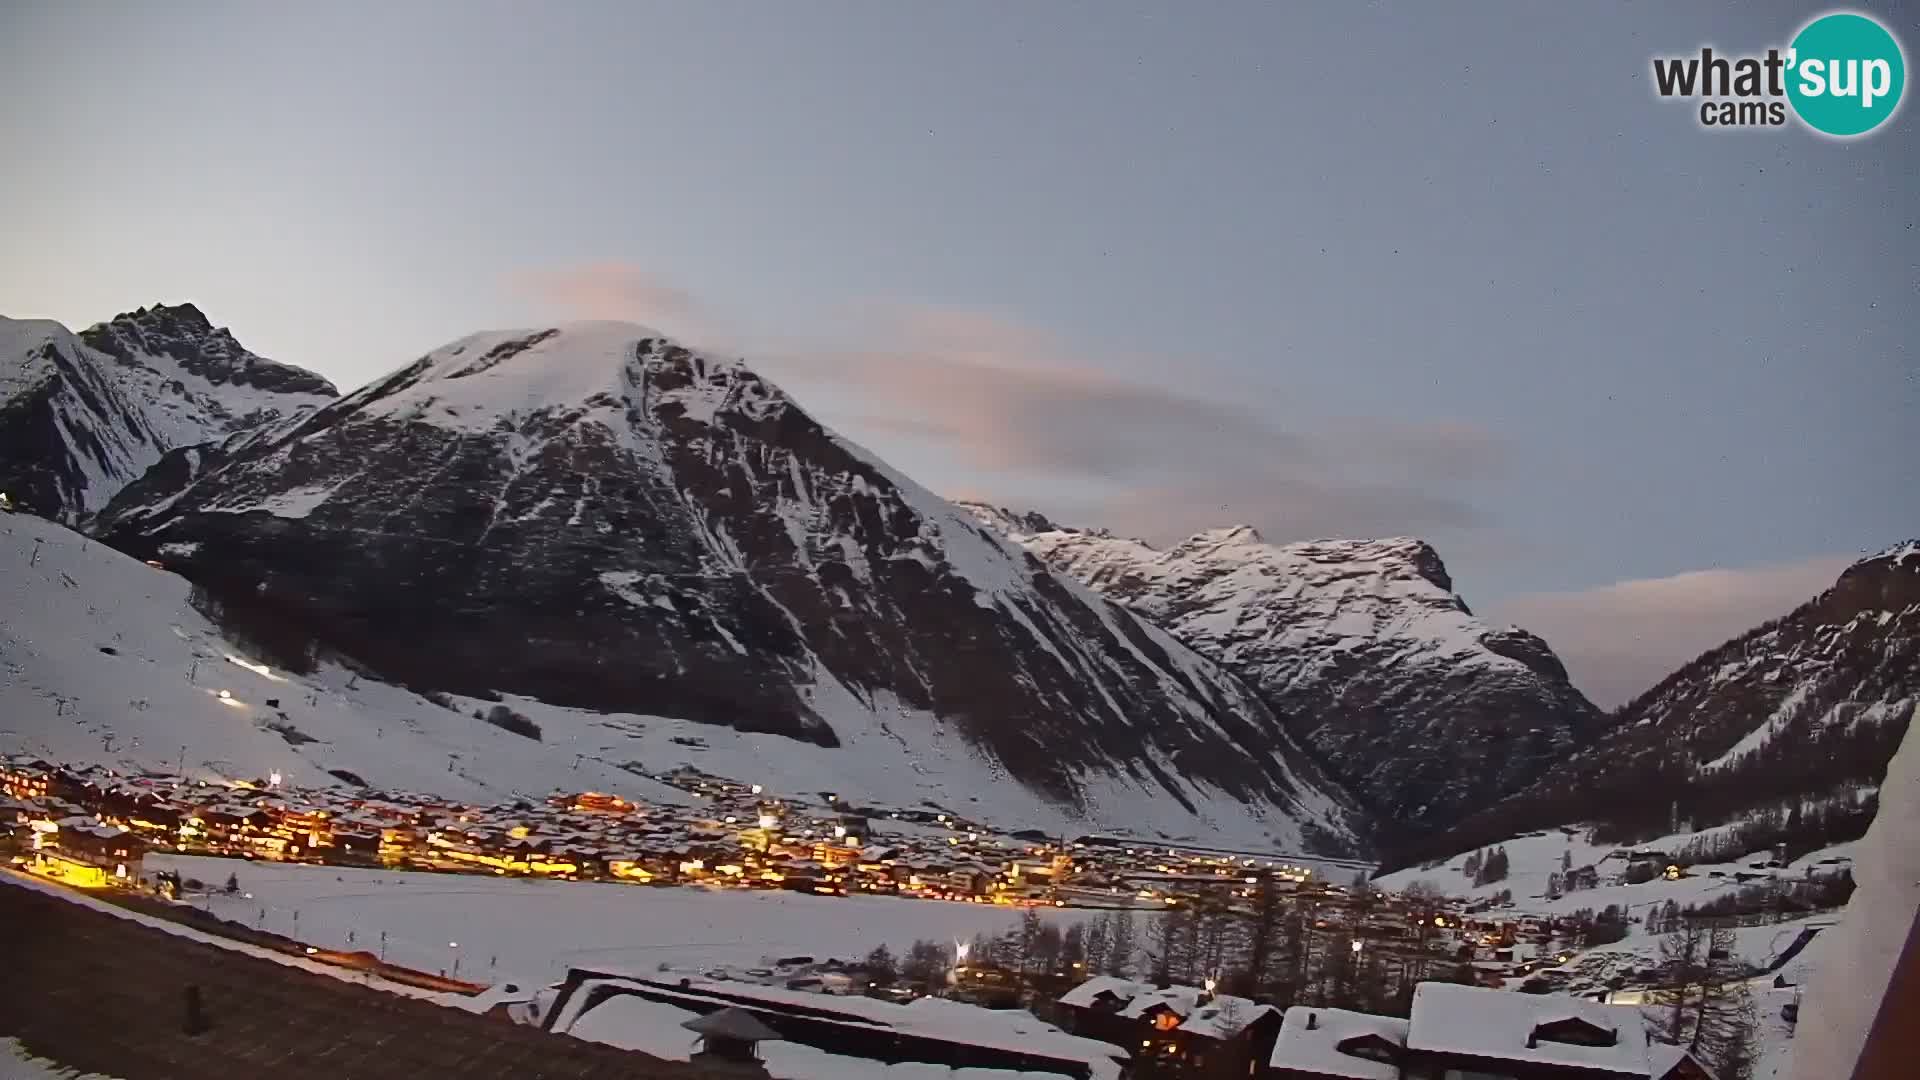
x: 596, y: 518
x: 82, y: 415
x: 1785, y: 730
x: 1427, y: 713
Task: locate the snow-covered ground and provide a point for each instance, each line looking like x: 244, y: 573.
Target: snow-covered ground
x: 15, y: 879
x: 1532, y: 858
x: 532, y: 931
x: 17, y: 1064
x: 102, y: 659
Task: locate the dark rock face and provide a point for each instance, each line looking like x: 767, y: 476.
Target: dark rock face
x: 199, y: 348
x: 1425, y: 713
x: 1804, y: 710
x: 600, y: 518
x: 40, y: 468
x: 83, y: 415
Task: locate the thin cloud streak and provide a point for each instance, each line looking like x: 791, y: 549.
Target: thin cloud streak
x: 1008, y: 400
x: 1620, y: 639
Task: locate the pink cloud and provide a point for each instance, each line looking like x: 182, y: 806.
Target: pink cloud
x: 618, y: 291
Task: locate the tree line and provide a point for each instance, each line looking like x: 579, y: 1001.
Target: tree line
x: 1271, y: 950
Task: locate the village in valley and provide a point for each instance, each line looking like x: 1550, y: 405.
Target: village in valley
x: 1158, y: 959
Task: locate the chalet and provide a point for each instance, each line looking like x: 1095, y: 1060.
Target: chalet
x: 90, y: 856
x: 1157, y: 1015
x: 1227, y: 1036
x: 26, y: 778
x: 1093, y: 1009
x: 1335, y: 1044
x: 1524, y: 1036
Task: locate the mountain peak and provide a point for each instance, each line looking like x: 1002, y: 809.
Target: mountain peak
x: 179, y: 338
x: 574, y: 368
x: 1230, y: 534
x: 1898, y: 555
x: 1365, y: 645
x: 84, y: 415
x: 184, y: 315
x: 1015, y: 523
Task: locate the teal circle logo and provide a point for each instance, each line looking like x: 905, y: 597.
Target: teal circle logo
x: 1845, y: 75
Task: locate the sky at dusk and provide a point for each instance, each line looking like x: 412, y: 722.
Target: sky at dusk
x: 1451, y: 271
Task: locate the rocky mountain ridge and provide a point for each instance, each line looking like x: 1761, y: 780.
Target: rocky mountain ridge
x: 1362, y: 646
x: 83, y: 415
x: 1783, y: 732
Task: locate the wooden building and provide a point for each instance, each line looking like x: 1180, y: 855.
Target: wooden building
x: 1336, y: 1044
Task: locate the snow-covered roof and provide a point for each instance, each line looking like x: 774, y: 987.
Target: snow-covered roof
x: 1181, y: 999
x: 1087, y: 993
x: 658, y: 1029
x: 1481, y: 1022
x: 1316, y: 1048
x: 1225, y: 1017
x: 1012, y: 1030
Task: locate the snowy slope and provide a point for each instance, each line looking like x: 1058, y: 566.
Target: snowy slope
x: 594, y: 518
x: 1534, y: 857
x: 83, y: 415
x: 154, y: 701
x: 1362, y: 645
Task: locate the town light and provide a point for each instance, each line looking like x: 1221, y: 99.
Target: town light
x: 839, y: 831
x: 1356, y: 945
x: 757, y: 789
x: 960, y: 950
x: 768, y: 821
x: 1210, y: 984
